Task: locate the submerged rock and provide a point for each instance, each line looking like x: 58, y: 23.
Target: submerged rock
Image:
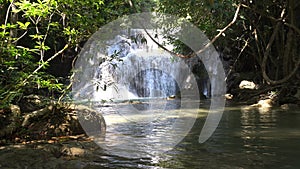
x: 263, y: 106
x: 264, y: 103
x: 289, y: 106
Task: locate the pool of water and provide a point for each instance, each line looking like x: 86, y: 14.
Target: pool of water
x: 243, y: 139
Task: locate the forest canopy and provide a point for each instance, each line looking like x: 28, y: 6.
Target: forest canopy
x: 40, y: 37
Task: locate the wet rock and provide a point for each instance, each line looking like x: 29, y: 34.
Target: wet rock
x: 74, y: 151
x: 91, y: 121
x: 263, y: 106
x: 264, y: 103
x: 289, y: 106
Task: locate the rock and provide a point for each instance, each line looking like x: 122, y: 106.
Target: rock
x: 228, y: 96
x: 12, y: 122
x: 54, y: 149
x: 263, y: 106
x: 73, y: 151
x: 15, y: 110
x: 171, y: 97
x: 32, y: 102
x: 134, y: 102
x: 289, y: 106
x: 91, y: 121
x: 68, y: 155
x: 247, y: 85
x: 265, y: 103
x: 53, y: 120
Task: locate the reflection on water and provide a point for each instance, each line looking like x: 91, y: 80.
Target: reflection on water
x: 244, y: 139
x: 137, y: 131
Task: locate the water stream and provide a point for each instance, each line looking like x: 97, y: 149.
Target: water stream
x: 242, y: 140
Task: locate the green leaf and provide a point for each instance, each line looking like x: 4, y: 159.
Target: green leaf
x: 3, y: 26
x: 4, y: 34
x: 44, y: 64
x: 9, y: 26
x: 54, y: 24
x: 22, y: 25
x: 36, y: 36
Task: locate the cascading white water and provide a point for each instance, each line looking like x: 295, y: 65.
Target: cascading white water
x: 141, y: 70
x: 131, y: 65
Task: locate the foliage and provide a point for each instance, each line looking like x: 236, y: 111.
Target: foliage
x: 19, y: 59
x: 272, y: 29
x: 206, y: 15
x: 34, y: 33
x: 264, y: 34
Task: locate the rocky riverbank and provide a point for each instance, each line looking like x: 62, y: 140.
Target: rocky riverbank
x: 70, y: 154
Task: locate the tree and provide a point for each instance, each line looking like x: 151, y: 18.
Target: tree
x: 265, y: 33
x: 36, y: 34
x: 273, y: 31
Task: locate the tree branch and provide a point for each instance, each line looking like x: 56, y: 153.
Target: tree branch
x: 222, y: 30
x: 206, y: 46
x: 237, y: 58
x: 266, y: 54
x: 7, y: 13
x: 273, y: 19
x: 161, y: 46
x: 43, y: 64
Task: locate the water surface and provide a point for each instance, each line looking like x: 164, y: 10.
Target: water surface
x: 243, y: 139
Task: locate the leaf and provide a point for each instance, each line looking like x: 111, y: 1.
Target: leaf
x: 3, y: 26
x: 54, y: 24
x: 22, y: 25
x: 36, y: 36
x: 3, y: 34
x: 44, y: 64
x: 9, y: 26
x: 242, y: 17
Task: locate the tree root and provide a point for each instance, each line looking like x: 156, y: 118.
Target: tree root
x: 40, y: 112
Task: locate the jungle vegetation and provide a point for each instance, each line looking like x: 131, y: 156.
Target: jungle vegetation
x: 40, y: 39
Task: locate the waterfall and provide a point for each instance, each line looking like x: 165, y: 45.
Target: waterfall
x: 138, y: 68
x: 121, y: 62
x: 141, y: 74
x: 131, y: 66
